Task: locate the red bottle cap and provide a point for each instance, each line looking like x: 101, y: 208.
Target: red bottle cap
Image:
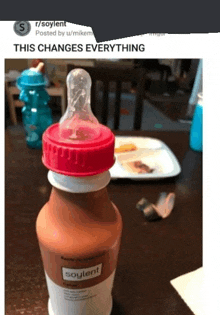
x: 78, y: 145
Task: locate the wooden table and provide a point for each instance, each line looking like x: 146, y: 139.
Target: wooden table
x: 152, y: 253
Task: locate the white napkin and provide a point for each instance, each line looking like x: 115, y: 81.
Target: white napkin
x: 191, y: 288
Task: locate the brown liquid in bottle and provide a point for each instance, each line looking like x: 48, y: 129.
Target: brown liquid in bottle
x: 79, y: 237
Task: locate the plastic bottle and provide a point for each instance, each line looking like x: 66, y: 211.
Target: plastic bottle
x: 36, y: 114
x: 196, y: 131
x: 79, y: 229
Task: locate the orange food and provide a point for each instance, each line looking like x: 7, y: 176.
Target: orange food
x: 126, y: 148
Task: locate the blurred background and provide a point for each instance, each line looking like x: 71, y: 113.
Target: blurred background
x: 169, y: 89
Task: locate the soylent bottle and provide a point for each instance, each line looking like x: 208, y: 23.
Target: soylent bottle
x: 79, y: 229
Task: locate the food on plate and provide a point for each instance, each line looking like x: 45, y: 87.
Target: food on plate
x: 126, y: 148
x: 137, y: 167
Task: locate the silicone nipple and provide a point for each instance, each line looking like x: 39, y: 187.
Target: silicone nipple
x: 78, y: 122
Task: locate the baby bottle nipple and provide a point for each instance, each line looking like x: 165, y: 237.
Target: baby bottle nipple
x: 78, y: 122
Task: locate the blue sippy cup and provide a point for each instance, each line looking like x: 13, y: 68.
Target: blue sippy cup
x: 36, y: 114
x: 196, y: 132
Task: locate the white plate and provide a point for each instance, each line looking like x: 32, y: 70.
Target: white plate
x: 153, y: 152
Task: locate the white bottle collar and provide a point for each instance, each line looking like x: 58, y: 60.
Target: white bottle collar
x: 79, y: 184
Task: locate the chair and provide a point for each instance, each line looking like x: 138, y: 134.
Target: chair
x: 12, y: 104
x: 153, y: 65
x: 108, y: 75
x: 164, y: 95
x: 11, y: 91
x: 8, y: 143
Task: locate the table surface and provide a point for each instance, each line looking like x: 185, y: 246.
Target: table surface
x: 151, y: 254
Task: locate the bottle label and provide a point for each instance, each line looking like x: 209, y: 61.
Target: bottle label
x: 71, y: 274
x: 79, y: 273
x: 93, y: 300
x: 80, y: 284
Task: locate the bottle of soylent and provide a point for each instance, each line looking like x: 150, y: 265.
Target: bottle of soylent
x: 79, y: 228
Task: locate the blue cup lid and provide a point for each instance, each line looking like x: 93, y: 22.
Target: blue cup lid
x: 31, y: 78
